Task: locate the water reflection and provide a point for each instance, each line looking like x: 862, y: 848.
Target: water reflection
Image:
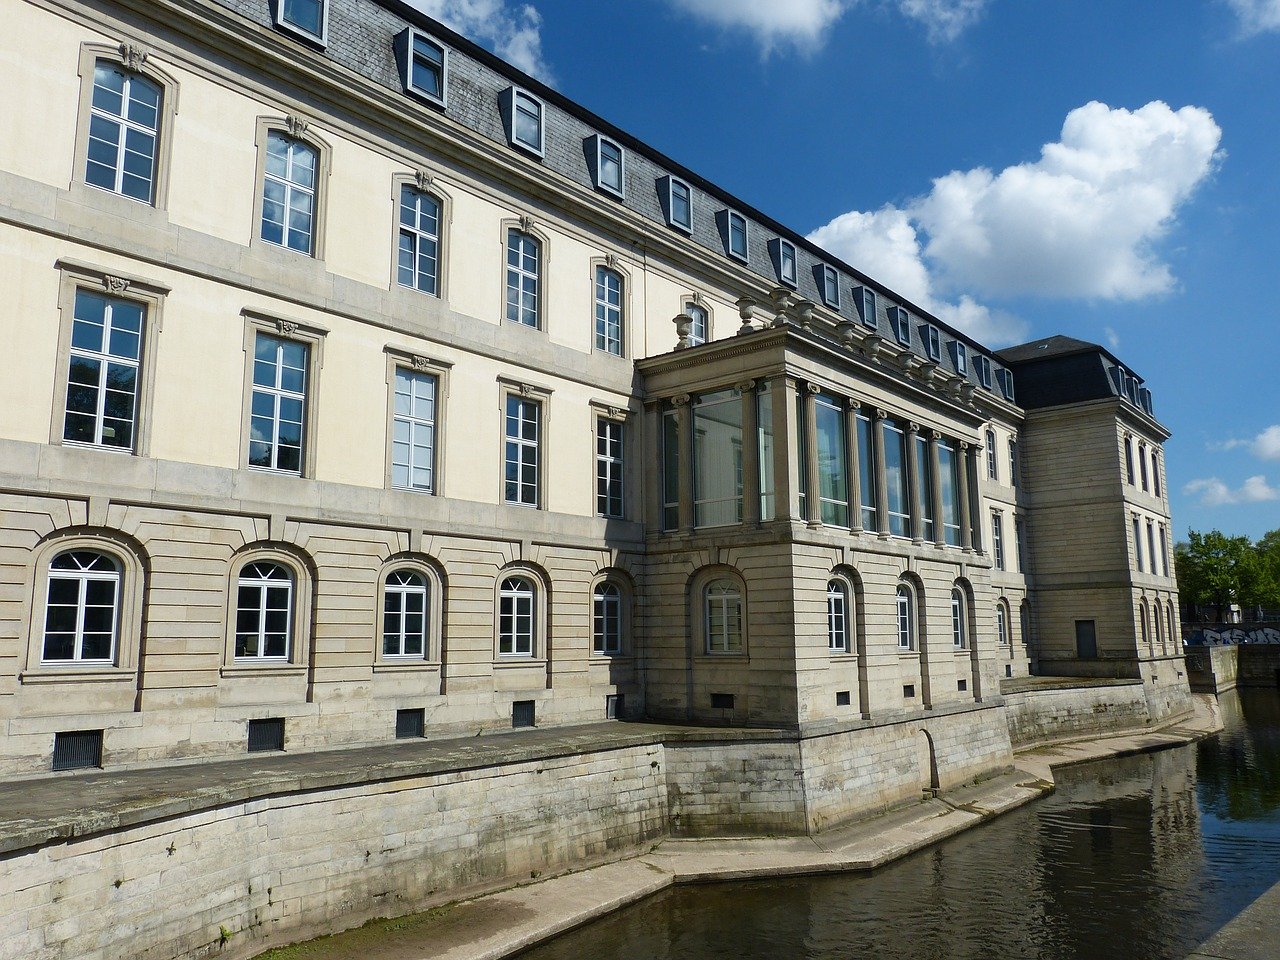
x: 1138, y: 857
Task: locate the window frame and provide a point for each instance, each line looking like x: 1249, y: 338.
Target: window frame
x: 75, y: 276
x: 300, y: 622
x: 82, y: 577
x: 960, y: 358
x: 132, y: 59
x: 932, y: 339
x: 786, y: 250
x: 900, y: 321
x: 433, y: 638
x: 993, y: 470
x: 423, y: 186
x: 622, y: 584
x: 959, y: 618
x: 512, y: 97
x: 730, y: 218
x: 839, y: 589
x: 278, y: 19
x: 1003, y: 624
x: 600, y: 142
x: 864, y: 301
x: 406, y: 50
x: 311, y: 336
x: 696, y: 303
x: 601, y: 266
x: 541, y: 396
x: 537, y: 653
x: 997, y: 539
x: 982, y: 369
x: 905, y: 599
x: 294, y: 128
x: 670, y: 184
x: 524, y: 229
x: 610, y: 418
x: 734, y: 588
x: 830, y: 286
x: 400, y: 359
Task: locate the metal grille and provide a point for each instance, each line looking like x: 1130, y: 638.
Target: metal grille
x: 77, y: 750
x: 410, y: 724
x: 522, y: 713
x: 613, y: 706
x: 266, y: 734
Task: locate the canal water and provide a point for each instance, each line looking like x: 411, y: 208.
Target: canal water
x: 1136, y: 858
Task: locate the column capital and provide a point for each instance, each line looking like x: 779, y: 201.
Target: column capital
x: 745, y: 386
x: 680, y: 399
x: 853, y: 404
x: 882, y: 414
x: 812, y: 389
x: 913, y: 428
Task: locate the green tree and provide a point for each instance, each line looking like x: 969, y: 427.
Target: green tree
x: 1215, y: 569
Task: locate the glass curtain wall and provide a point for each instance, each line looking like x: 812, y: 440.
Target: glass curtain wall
x: 895, y: 475
x: 949, y: 477
x: 717, y: 459
x: 867, y: 473
x: 833, y: 470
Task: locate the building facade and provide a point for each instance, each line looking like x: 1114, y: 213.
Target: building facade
x: 361, y: 386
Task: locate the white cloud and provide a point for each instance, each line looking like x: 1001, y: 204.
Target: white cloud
x: 1214, y: 493
x: 1266, y: 445
x: 512, y: 31
x: 1256, y: 16
x: 944, y: 19
x: 1080, y: 222
x: 1113, y: 338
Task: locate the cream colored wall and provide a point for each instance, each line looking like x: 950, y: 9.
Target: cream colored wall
x: 30, y: 286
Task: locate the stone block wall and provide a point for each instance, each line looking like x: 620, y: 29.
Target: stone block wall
x: 735, y: 789
x: 1038, y: 716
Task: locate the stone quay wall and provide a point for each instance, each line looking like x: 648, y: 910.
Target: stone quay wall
x: 1040, y: 716
x: 1216, y: 669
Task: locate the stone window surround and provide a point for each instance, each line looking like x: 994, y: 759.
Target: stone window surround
x: 626, y: 588
x: 699, y: 300
x: 507, y: 387
x: 918, y: 631
x: 296, y: 128
x: 129, y: 609
x: 300, y: 625
x: 424, y: 181
x: 855, y: 613
x: 434, y: 653
x: 540, y: 656
x: 76, y: 276
x: 406, y: 358
x: 703, y: 578
x: 1002, y: 607
x: 524, y: 223
x: 613, y: 263
x: 259, y: 321
x: 139, y: 60
x: 618, y: 414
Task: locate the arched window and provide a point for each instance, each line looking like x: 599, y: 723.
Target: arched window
x: 1142, y: 622
x: 1159, y: 625
x: 82, y: 608
x: 606, y: 618
x: 517, y: 617
x: 609, y: 319
x: 524, y: 273
x: 289, y: 185
x: 698, y: 328
x: 124, y: 132
x: 906, y: 617
x: 1174, y: 636
x: 959, y: 619
x: 264, y: 611
x: 418, y: 263
x: 723, y: 616
x: 405, y: 609
x: 838, y: 616
x: 1024, y: 613
x: 1002, y: 623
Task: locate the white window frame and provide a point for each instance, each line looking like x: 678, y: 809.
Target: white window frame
x: 838, y: 608
x: 788, y: 263
x: 864, y: 299
x: 960, y: 355
x: 283, y: 23
x: 82, y: 576
x: 992, y: 469
x: 518, y: 240
x: 291, y: 190
x: 415, y: 425
x: 515, y: 97
x: 733, y: 217
x: 522, y: 451
x: 1002, y: 623
x: 900, y: 320
x: 263, y: 584
x: 672, y: 184
x: 609, y: 333
x: 104, y: 358
x: 610, y: 467
x: 608, y: 618
x: 725, y: 595
x: 278, y: 395
x: 397, y: 586
x: 933, y: 342
x: 982, y: 367
x: 997, y: 539
x: 518, y: 598
x: 831, y: 287
x: 1014, y: 464
x: 905, y: 617
x: 419, y: 236
x: 698, y: 332
x: 408, y: 58
x: 124, y: 128
x: 601, y: 144
x: 959, y: 619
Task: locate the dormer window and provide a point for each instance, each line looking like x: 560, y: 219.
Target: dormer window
x: 308, y: 18
x: 932, y: 342
x: 1144, y: 399
x: 982, y: 367
x: 423, y: 66
x: 525, y: 121
x: 901, y: 322
x: 736, y: 230
x: 864, y: 299
x: 786, y: 261
x: 959, y: 356
x: 679, y: 205
x: 1006, y: 384
x: 831, y: 287
x: 609, y: 164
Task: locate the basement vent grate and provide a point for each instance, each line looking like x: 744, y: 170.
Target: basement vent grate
x: 410, y: 724
x: 77, y: 750
x: 266, y: 734
x: 522, y: 714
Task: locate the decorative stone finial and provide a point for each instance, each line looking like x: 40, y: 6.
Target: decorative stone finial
x: 684, y: 326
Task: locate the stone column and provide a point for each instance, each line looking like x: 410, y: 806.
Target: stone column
x: 966, y: 525
x: 975, y: 503
x: 882, y: 486
x: 935, y: 468
x: 810, y: 446
x: 852, y: 407
x: 786, y: 475
x: 651, y: 467
x: 913, y: 484
x: 750, y: 456
x: 684, y: 426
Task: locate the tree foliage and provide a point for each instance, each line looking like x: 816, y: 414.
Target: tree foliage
x: 1216, y: 570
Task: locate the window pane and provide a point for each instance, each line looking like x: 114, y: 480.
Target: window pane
x: 717, y: 459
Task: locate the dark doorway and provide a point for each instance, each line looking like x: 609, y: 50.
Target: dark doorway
x: 1086, y: 640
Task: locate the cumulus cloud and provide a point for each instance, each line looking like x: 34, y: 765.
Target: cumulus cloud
x: 1265, y: 446
x: 1080, y: 222
x: 804, y: 23
x: 1256, y: 16
x: 1214, y: 493
x: 512, y: 31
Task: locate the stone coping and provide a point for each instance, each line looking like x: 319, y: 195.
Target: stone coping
x: 1039, y: 684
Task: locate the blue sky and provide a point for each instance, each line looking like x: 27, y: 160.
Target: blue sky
x: 1108, y: 170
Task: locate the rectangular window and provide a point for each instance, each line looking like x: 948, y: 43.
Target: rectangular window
x: 124, y: 132
x: 1164, y: 550
x: 900, y: 320
x: 524, y: 256
x: 933, y: 343
x: 717, y: 459
x: 609, y: 166
x: 1006, y: 384
x: 413, y: 431
x: 997, y: 538
x: 1151, y: 545
x: 831, y: 287
x: 424, y: 66
x: 305, y: 16
x: 833, y: 461
x: 1020, y: 534
x: 737, y: 225
x: 1137, y: 542
x: 679, y: 205
x: 764, y: 447
x: 867, y: 473
x: 992, y: 473
x: 609, y: 311
x: 289, y: 193
x: 926, y: 487
x: 522, y: 450
x: 895, y: 475
x: 279, y: 399
x: 802, y: 458
x: 787, y: 271
x: 526, y: 121
x: 1155, y: 473
x: 982, y: 366
x: 418, y: 266
x: 102, y: 376
x: 1014, y: 472
x: 609, y: 467
x: 864, y: 299
x: 1142, y: 465
x: 949, y: 476
x: 670, y: 470
x: 959, y: 357
x: 1128, y: 459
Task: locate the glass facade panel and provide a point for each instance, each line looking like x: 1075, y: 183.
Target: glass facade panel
x: 949, y: 478
x: 670, y: 470
x: 764, y: 447
x: 867, y: 473
x: 833, y: 460
x: 717, y: 459
x: 925, y: 498
x: 895, y: 474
